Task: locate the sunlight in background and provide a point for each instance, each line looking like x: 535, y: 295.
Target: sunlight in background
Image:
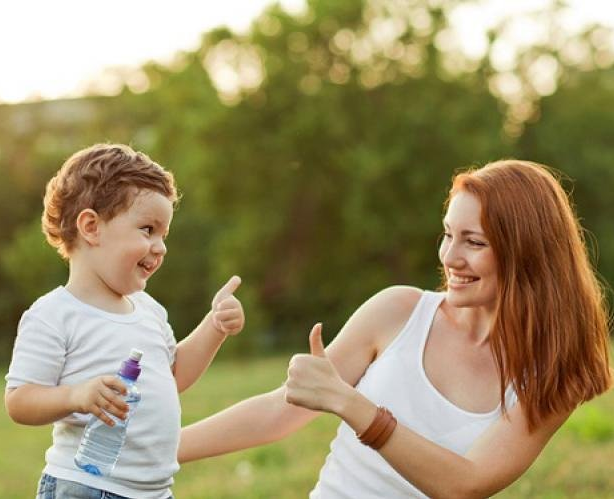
x: 61, y: 49
x: 53, y: 49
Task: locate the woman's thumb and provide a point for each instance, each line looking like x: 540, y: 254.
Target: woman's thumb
x: 315, y: 341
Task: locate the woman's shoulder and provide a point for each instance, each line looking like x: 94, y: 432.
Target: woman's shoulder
x: 392, y: 306
x: 397, y: 298
x: 388, y: 311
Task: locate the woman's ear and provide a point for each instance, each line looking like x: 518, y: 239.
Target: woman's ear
x: 88, y: 225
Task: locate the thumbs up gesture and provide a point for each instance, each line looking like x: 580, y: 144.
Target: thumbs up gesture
x: 316, y: 344
x: 313, y: 381
x: 227, y: 312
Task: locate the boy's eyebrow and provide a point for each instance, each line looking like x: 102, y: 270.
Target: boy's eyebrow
x: 466, y: 231
x: 153, y: 220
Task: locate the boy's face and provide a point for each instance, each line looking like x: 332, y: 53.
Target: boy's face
x: 131, y: 245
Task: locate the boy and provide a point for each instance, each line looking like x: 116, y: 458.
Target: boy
x: 108, y: 211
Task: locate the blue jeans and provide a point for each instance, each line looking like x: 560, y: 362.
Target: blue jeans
x: 51, y: 487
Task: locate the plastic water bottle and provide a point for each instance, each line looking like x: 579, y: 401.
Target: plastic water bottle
x: 101, y: 444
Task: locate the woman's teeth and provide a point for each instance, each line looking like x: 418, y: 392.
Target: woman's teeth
x: 462, y: 280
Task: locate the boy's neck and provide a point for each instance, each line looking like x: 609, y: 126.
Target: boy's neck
x: 87, y: 287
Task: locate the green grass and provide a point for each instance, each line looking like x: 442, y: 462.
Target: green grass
x: 578, y: 462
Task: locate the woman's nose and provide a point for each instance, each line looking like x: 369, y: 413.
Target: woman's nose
x: 452, y: 256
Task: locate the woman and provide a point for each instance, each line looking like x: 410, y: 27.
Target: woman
x: 475, y: 379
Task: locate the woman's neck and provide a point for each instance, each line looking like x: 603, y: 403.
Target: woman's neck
x: 476, y: 322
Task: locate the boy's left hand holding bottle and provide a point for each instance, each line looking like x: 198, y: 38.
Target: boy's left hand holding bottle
x: 100, y: 396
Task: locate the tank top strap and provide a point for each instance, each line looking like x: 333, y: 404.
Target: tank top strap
x: 419, y: 323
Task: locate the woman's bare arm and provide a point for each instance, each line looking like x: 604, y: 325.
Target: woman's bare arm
x: 268, y: 417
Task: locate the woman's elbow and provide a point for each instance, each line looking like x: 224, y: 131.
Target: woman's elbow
x: 476, y: 489
x: 465, y: 487
x: 464, y: 491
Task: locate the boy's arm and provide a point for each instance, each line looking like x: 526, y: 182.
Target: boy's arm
x: 196, y: 351
x: 256, y: 421
x: 33, y: 404
x: 269, y: 417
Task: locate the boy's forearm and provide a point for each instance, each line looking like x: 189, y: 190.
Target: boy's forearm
x: 196, y: 351
x: 255, y: 421
x: 38, y: 405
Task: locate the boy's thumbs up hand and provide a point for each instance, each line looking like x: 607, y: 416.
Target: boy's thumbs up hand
x: 229, y: 288
x: 227, y: 312
x: 313, y: 381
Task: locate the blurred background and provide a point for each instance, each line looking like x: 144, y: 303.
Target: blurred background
x: 314, y: 143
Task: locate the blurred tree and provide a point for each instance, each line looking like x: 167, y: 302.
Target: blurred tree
x: 314, y: 153
x: 573, y: 132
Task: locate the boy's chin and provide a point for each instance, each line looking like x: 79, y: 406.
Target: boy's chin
x: 134, y: 288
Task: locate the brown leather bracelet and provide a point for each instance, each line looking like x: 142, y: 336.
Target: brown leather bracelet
x: 380, y: 429
x: 385, y: 434
x: 376, y: 427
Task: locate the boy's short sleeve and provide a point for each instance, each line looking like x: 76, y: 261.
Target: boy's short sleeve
x: 38, y: 354
x: 171, y: 342
x: 159, y: 313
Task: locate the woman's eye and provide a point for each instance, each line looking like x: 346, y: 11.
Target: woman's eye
x: 473, y: 242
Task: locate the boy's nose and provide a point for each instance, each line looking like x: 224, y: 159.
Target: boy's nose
x: 159, y: 248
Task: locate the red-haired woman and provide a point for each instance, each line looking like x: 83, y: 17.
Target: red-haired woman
x: 454, y: 393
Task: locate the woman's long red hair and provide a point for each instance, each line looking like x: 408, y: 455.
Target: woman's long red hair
x: 551, y: 328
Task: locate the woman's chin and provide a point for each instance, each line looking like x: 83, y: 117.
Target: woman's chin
x: 462, y: 300
x: 457, y: 301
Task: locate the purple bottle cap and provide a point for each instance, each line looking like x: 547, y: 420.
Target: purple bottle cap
x: 130, y: 368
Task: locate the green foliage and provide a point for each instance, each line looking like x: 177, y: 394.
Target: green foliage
x: 317, y: 170
x: 31, y: 264
x: 591, y: 424
x: 569, y: 467
x: 573, y: 135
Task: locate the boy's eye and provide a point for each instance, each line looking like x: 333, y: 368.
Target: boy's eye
x: 148, y: 229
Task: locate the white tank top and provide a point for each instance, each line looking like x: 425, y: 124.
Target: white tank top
x: 397, y: 381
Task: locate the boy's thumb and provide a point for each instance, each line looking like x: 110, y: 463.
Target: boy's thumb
x: 229, y: 288
x: 315, y: 341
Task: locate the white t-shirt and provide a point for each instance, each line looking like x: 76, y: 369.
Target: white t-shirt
x: 397, y: 380
x: 63, y: 341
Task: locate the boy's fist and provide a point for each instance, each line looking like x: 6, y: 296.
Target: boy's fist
x: 100, y: 396
x: 227, y: 311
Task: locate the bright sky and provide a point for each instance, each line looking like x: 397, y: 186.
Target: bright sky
x: 51, y: 49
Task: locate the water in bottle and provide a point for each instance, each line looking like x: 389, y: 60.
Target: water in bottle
x: 101, y: 444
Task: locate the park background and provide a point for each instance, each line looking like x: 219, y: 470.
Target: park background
x: 314, y: 151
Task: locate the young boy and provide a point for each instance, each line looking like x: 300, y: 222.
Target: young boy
x: 108, y: 211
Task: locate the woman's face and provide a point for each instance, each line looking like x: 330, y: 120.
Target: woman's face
x: 466, y: 255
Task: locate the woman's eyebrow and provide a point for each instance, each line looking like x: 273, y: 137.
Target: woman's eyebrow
x: 466, y: 232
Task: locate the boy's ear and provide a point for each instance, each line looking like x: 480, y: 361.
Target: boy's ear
x: 88, y: 225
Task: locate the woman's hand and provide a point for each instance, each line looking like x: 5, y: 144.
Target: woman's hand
x: 313, y: 382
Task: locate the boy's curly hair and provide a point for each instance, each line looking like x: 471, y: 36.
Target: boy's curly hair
x: 105, y: 178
